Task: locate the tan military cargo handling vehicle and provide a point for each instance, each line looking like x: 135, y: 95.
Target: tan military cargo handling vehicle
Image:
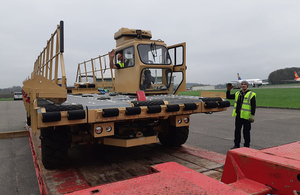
x: 139, y: 107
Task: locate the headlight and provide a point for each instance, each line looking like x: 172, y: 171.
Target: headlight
x: 186, y: 120
x: 98, y: 130
x: 108, y: 128
x: 179, y: 121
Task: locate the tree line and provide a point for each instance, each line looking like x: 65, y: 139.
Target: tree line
x: 11, y: 89
x: 283, y: 76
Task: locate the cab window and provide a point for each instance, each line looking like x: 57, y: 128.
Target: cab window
x: 155, y: 79
x: 177, y: 55
x: 154, y: 54
x: 128, y: 56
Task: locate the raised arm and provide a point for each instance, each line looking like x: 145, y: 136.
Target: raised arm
x: 111, y: 59
x: 228, y: 95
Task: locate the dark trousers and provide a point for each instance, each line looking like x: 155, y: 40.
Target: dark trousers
x: 239, y: 123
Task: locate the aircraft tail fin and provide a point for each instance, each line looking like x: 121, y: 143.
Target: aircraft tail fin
x: 296, y: 76
x: 239, y: 77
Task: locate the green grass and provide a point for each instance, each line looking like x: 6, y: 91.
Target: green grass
x: 267, y: 97
x: 6, y: 99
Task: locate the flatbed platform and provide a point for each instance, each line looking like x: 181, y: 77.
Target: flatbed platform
x: 114, y: 100
x: 90, y: 166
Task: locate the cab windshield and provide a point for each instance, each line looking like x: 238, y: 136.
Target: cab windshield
x: 154, y: 54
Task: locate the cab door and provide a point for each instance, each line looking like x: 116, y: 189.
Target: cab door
x: 178, y: 57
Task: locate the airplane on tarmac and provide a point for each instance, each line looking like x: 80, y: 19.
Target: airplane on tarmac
x: 253, y: 82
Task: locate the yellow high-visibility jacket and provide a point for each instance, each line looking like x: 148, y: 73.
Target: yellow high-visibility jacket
x: 246, y: 106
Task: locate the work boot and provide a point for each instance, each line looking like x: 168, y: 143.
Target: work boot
x: 234, y: 147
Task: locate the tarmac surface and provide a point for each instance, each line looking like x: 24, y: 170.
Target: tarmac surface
x: 17, y: 173
x: 272, y: 127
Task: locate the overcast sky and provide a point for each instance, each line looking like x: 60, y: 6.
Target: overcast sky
x: 223, y: 38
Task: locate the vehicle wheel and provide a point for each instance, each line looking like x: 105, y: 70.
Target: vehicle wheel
x: 181, y: 135
x: 54, y: 144
x: 173, y: 136
x: 28, y: 120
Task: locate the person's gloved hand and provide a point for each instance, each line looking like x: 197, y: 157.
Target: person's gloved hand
x: 251, y: 119
x: 229, y: 86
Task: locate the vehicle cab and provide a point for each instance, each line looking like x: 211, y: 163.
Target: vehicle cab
x: 149, y: 65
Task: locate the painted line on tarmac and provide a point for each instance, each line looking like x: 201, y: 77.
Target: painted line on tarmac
x: 14, y: 134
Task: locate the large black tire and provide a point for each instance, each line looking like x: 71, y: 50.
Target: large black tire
x: 54, y: 143
x: 173, y: 136
x: 28, y: 119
